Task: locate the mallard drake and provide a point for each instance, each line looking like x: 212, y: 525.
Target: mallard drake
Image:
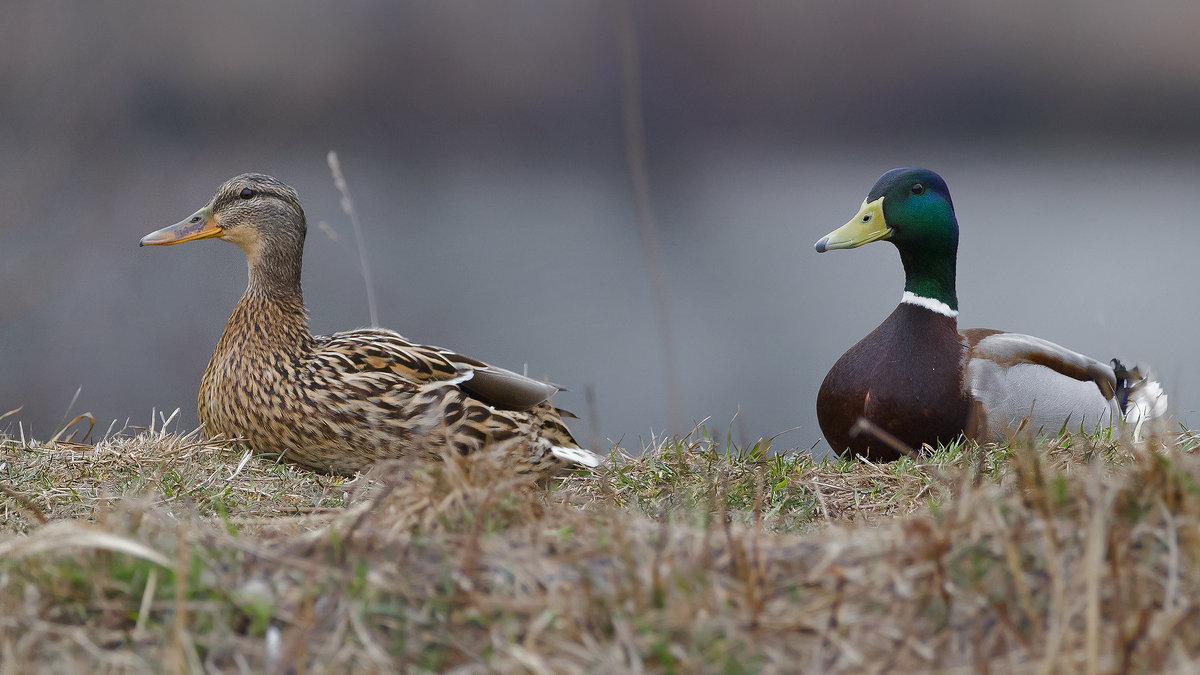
x: 341, y: 402
x: 920, y: 379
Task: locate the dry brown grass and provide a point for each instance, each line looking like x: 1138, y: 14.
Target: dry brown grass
x: 64, y: 480
x: 1075, y: 555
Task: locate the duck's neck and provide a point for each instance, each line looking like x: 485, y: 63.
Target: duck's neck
x: 929, y: 277
x: 270, y: 323
x: 273, y: 304
x: 275, y: 267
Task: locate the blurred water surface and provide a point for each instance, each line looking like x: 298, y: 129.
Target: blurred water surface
x: 538, y: 266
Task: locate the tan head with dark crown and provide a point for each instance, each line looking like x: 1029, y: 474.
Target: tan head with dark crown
x: 257, y: 212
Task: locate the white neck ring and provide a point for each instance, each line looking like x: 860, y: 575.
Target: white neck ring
x: 928, y: 303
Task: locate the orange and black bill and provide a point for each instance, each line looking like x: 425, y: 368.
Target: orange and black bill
x: 200, y: 225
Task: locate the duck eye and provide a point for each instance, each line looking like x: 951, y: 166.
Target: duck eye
x: 247, y: 193
x: 918, y: 189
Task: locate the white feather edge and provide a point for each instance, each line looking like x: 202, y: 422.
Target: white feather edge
x: 1147, y: 401
x: 577, y: 455
x: 930, y: 304
x: 463, y: 376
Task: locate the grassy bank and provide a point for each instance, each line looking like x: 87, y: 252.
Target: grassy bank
x: 159, y: 552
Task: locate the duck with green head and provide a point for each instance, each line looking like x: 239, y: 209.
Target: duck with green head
x: 920, y: 379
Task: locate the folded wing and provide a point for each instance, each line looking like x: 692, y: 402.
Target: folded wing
x: 1014, y: 376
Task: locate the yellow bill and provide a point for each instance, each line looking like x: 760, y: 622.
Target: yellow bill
x: 866, y: 226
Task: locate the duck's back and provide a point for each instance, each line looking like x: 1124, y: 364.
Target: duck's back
x: 906, y: 376
x: 1022, y: 381
x: 343, y: 402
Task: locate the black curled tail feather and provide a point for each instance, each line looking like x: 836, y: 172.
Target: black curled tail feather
x: 1126, y: 377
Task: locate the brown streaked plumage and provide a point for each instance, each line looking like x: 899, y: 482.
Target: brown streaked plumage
x: 342, y: 402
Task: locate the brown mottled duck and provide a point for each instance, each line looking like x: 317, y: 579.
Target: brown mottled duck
x: 340, y: 403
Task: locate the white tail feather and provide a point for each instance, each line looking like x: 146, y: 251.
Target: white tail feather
x: 577, y: 455
x: 1147, y: 401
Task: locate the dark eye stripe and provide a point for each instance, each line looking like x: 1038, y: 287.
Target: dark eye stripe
x: 228, y: 198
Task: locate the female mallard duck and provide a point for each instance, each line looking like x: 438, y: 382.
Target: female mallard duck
x: 920, y: 379
x: 341, y: 402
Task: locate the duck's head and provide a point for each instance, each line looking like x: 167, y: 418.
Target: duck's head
x: 912, y: 209
x: 257, y: 212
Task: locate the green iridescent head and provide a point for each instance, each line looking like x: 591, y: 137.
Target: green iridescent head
x: 912, y: 209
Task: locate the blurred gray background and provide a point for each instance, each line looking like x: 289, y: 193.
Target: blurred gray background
x: 483, y: 144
